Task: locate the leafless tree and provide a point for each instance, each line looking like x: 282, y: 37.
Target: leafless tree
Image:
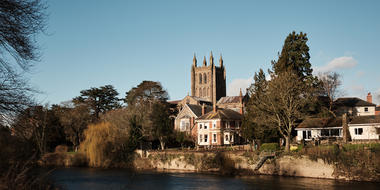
x: 20, y: 22
x: 330, y: 83
x: 283, y: 103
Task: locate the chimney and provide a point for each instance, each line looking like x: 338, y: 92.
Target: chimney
x: 369, y: 97
x: 203, y: 109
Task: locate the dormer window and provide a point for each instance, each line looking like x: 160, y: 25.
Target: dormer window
x: 366, y: 109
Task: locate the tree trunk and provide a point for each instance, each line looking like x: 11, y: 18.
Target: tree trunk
x: 162, y: 143
x: 287, y: 143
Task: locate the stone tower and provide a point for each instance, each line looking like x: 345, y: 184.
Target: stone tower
x: 208, y: 81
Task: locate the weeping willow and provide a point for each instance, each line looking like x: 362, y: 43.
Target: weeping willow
x: 104, y: 145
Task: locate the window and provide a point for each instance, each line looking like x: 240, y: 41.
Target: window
x: 231, y: 138
x: 205, y: 78
x: 204, y: 91
x: 366, y: 109
x: 227, y: 124
x: 206, y: 140
x: 200, y: 126
x: 226, y: 138
x: 214, y: 126
x: 205, y: 126
x: 330, y: 132
x: 306, y: 134
x: 200, y: 78
x: 184, y: 125
x: 214, y: 138
x: 358, y: 131
x: 200, y: 138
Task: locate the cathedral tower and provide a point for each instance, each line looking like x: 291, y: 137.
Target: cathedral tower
x: 208, y: 81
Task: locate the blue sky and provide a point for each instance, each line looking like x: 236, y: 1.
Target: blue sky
x: 95, y: 43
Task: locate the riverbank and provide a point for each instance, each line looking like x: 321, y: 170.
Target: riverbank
x: 351, y: 162
x: 326, y: 162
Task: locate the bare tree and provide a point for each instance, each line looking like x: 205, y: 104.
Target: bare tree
x: 330, y: 83
x: 283, y: 103
x: 20, y: 22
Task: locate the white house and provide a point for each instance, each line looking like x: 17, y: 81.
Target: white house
x: 354, y: 106
x: 360, y: 128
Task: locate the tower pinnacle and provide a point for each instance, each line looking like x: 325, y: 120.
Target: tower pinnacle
x: 221, y: 61
x: 194, y: 61
x: 204, y: 61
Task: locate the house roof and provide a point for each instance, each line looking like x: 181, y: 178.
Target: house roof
x: 337, y: 122
x: 225, y: 114
x: 321, y: 122
x: 174, y: 101
x: 229, y: 99
x: 197, y: 109
x: 352, y: 102
x: 365, y: 119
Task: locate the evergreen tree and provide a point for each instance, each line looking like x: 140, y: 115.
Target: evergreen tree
x: 294, y: 56
x: 100, y: 99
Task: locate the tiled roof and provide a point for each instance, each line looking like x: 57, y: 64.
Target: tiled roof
x: 226, y: 114
x: 337, y: 122
x: 229, y: 99
x: 174, y: 101
x: 321, y: 122
x: 365, y: 119
x: 200, y: 99
x: 197, y: 109
x: 351, y: 102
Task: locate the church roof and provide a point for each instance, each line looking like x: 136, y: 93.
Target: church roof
x: 225, y: 114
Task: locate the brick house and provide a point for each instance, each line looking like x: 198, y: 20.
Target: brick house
x: 219, y: 127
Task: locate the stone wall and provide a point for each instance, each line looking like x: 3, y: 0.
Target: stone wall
x: 237, y: 162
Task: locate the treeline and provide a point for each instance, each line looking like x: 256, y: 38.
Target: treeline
x: 97, y: 124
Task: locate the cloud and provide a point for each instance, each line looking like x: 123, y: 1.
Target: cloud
x: 234, y: 87
x: 338, y: 63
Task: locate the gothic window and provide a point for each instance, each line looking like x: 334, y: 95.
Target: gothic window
x: 205, y: 78
x: 200, y: 78
x: 200, y: 92
x: 204, y: 91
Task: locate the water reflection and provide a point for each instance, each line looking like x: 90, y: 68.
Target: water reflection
x: 87, y: 178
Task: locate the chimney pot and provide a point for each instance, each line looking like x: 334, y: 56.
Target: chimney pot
x: 369, y: 97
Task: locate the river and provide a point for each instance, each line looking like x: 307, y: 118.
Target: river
x: 93, y: 179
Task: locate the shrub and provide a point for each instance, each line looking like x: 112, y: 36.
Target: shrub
x: 61, y: 149
x: 270, y: 147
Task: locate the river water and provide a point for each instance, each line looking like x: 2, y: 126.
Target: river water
x: 93, y: 179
